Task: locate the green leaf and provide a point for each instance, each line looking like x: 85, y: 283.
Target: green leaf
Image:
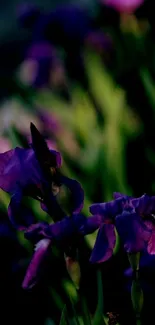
x: 148, y: 85
x: 75, y: 319
x: 134, y: 261
x: 117, y: 245
x: 63, y: 319
x: 57, y: 298
x: 73, y: 268
x: 70, y: 289
x: 99, y: 318
x: 137, y: 297
x: 13, y: 137
x: 85, y: 311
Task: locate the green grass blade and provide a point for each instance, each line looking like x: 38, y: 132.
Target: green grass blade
x: 99, y: 318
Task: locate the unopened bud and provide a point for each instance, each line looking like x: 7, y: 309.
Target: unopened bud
x: 73, y: 269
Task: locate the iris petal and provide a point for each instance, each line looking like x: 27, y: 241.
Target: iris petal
x: 145, y: 204
x: 104, y: 244
x: 151, y: 243
x: 36, y: 264
x: 20, y: 217
x: 108, y: 209
x: 18, y: 167
x: 77, y: 193
x: 133, y: 232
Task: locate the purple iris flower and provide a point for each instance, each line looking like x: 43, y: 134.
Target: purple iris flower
x: 134, y: 222
x: 36, y: 172
x: 137, y: 227
x: 43, y: 68
x: 106, y: 238
x: 63, y: 234
x: 33, y: 172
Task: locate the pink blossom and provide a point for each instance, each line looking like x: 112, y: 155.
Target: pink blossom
x: 127, y: 6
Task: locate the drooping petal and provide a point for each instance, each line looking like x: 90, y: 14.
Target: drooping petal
x: 104, y: 244
x: 36, y: 265
x: 60, y: 231
x: 33, y: 231
x: 20, y: 217
x: 132, y: 231
x: 77, y: 193
x: 18, y: 167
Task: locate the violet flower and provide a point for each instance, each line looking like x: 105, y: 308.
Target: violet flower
x: 69, y: 27
x: 33, y: 172
x: 134, y: 222
x: 106, y: 237
x: 137, y: 227
x: 63, y: 233
x: 43, y: 69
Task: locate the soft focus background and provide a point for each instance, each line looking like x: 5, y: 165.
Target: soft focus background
x: 84, y: 73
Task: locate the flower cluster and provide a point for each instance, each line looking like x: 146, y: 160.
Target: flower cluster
x: 133, y: 219
x: 36, y: 172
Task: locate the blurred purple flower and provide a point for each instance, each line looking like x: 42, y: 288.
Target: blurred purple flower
x: 99, y: 41
x: 134, y: 222
x: 42, y: 67
x: 27, y: 14
x: 70, y: 27
x: 52, y: 126
x: 63, y: 24
x: 50, y: 122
